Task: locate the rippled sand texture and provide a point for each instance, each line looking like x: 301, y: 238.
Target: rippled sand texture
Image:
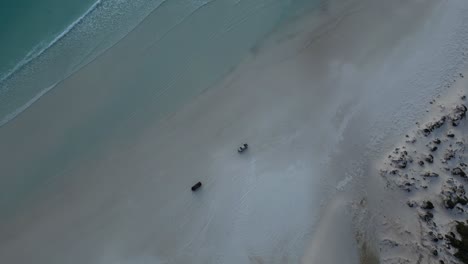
x: 317, y: 101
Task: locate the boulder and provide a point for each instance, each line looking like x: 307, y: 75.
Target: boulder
x: 459, y: 172
x: 427, y: 205
x: 429, y: 158
x: 430, y: 174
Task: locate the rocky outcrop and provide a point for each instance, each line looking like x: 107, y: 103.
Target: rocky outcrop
x: 459, y: 172
x: 457, y: 114
x: 453, y: 193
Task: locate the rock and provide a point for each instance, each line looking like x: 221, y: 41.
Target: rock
x: 429, y: 158
x: 402, y: 160
x: 453, y: 193
x: 437, y: 141
x: 433, y: 148
x: 450, y: 135
x: 459, y: 172
x: 427, y: 205
x: 431, y: 126
x: 460, y: 244
x: 449, y: 154
x: 406, y: 185
x: 399, y: 163
x: 410, y: 203
x: 449, y: 204
x: 433, y: 237
x: 458, y: 113
x: 430, y: 174
x: 434, y: 252
x: 461, y: 75
x: 426, y: 131
x: 460, y: 209
x: 421, y: 163
x: 462, y: 200
x: 439, y: 122
x: 463, y: 97
x: 428, y: 216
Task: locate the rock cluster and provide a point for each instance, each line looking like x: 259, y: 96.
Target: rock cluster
x: 453, y: 193
x: 439, y: 167
x: 458, y: 114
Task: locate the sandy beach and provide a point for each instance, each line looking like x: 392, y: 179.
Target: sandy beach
x: 321, y: 102
x: 422, y: 198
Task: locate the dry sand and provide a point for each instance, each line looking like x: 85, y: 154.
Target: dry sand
x: 319, y: 102
x: 423, y: 190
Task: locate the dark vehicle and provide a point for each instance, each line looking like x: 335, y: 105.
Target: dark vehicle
x: 196, y: 186
x: 243, y: 148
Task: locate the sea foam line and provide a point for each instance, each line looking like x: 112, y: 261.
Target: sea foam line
x: 20, y: 109
x: 9, y: 117
x: 31, y: 56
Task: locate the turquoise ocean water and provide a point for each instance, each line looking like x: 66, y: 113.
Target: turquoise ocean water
x: 186, y: 46
x: 43, y: 42
x: 29, y: 27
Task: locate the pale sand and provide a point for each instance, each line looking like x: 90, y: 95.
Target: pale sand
x: 316, y: 105
x: 395, y: 207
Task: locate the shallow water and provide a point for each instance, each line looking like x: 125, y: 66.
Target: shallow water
x: 54, y: 53
x: 181, y: 49
x: 39, y: 50
x: 27, y: 27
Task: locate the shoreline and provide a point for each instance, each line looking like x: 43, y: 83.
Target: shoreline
x: 27, y: 67
x: 29, y: 56
x: 82, y: 41
x: 99, y: 101
x: 315, y: 107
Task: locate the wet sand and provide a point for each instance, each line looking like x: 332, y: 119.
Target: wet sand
x: 317, y: 101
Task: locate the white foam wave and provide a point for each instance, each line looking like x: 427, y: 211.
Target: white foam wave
x: 102, y: 12
x: 41, y: 48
